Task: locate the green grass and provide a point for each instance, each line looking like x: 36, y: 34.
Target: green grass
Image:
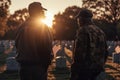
x: 111, y: 73
x: 8, y: 75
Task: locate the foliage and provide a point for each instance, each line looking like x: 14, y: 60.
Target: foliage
x: 17, y: 18
x: 108, y: 10
x: 4, y: 13
x: 106, y: 27
x: 65, y: 24
x: 14, y: 21
x: 104, y: 9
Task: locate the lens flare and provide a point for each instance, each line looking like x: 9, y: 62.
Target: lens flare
x: 48, y: 20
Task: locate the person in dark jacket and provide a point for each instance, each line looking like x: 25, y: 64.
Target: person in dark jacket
x: 34, y: 45
x: 90, y: 52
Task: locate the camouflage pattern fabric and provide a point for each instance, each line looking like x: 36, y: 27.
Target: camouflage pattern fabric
x: 90, y: 47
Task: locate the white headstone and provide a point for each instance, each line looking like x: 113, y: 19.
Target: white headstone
x: 12, y: 65
x: 60, y: 59
x: 116, y: 58
x: 60, y: 62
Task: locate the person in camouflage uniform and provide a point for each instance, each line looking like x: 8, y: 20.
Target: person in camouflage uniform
x: 90, y: 52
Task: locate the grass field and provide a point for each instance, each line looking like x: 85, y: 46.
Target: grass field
x: 112, y: 72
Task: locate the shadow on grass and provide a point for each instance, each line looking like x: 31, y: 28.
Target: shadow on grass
x: 111, y: 67
x: 64, y: 74
x: 105, y: 76
x: 9, y: 75
x: 61, y: 73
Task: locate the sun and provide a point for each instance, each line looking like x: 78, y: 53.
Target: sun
x: 48, y: 19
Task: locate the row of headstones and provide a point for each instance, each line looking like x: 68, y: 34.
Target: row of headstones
x: 60, y: 62
x: 61, y: 55
x: 12, y: 65
x: 68, y: 44
x: 60, y: 58
x: 6, y: 44
x: 10, y: 60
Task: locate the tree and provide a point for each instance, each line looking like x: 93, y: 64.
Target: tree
x: 17, y: 18
x: 14, y: 21
x: 4, y: 13
x: 106, y: 27
x: 108, y: 10
x: 65, y: 24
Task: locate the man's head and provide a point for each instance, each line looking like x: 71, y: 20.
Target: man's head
x: 36, y: 9
x: 84, y: 16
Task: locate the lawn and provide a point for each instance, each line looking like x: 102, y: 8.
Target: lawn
x: 112, y: 73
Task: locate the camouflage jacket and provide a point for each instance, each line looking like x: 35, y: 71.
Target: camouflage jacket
x: 90, y: 46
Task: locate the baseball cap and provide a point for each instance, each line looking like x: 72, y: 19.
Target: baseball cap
x: 36, y: 5
x: 85, y: 13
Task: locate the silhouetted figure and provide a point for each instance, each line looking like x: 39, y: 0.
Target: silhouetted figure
x: 90, y: 51
x: 34, y: 45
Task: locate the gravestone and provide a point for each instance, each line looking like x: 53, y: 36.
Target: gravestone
x: 60, y: 62
x: 12, y: 64
x: 116, y: 55
x: 60, y: 58
x: 116, y: 58
x: 111, y: 46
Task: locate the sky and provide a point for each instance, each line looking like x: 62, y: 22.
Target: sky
x: 52, y: 6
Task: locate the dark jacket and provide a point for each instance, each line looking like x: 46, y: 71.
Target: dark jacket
x: 33, y: 43
x: 90, y: 47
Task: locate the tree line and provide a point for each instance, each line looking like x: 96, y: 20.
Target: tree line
x: 106, y: 16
